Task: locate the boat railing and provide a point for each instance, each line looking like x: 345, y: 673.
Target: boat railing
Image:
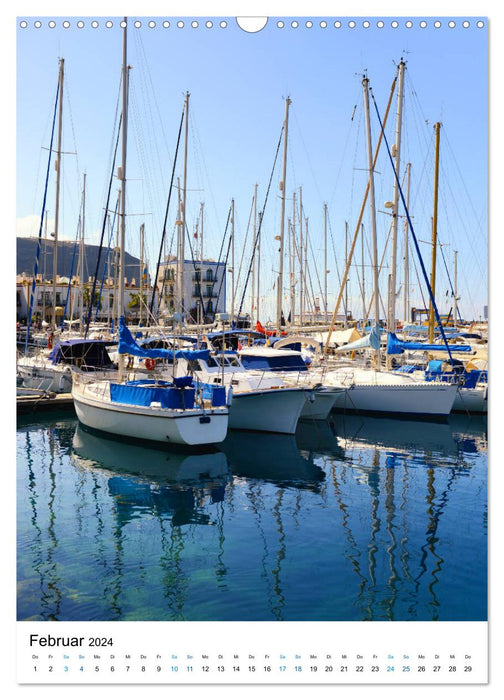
x: 343, y: 375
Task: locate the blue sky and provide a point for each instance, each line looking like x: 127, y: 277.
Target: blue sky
x: 238, y: 83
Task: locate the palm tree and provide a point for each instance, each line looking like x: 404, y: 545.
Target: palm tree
x: 136, y: 300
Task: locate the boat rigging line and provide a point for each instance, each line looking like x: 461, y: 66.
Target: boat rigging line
x: 104, y: 224
x: 163, y: 235
x: 261, y: 217
x: 417, y: 248
x: 39, y: 241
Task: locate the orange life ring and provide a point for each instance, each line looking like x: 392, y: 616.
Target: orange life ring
x: 150, y: 363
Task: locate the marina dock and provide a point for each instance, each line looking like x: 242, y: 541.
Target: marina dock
x: 43, y: 402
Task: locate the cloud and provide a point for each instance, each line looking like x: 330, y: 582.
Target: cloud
x: 27, y: 226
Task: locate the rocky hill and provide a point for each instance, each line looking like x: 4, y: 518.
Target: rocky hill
x: 26, y: 249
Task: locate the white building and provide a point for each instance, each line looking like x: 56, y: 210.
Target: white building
x: 204, y: 295
x: 72, y: 300
x: 203, y: 289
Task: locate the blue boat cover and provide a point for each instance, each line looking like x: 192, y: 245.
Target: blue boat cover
x: 144, y: 395
x: 407, y: 369
x: 215, y: 394
x: 128, y: 346
x: 397, y: 347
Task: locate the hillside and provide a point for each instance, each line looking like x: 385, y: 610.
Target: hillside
x: 26, y: 249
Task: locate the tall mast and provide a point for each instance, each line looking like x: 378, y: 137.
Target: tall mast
x: 406, y: 248
x: 202, y: 208
x: 358, y: 225
x: 395, y: 211
x: 301, y: 265
x: 201, y: 315
x: 180, y: 255
x: 290, y: 248
x: 58, y: 172
x: 455, y: 299
x: 364, y: 319
x: 346, y: 283
x: 140, y: 290
x: 294, y: 258
x: 182, y: 218
x: 437, y: 128
x: 81, y: 258
x: 304, y: 272
x: 258, y: 264
x: 282, y: 220
x: 254, y: 260
x: 232, y: 262
x: 365, y: 84
x: 325, y: 264
x: 122, y: 178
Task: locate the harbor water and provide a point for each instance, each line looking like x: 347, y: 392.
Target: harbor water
x: 352, y: 519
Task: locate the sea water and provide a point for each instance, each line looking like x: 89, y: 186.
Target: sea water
x: 351, y: 519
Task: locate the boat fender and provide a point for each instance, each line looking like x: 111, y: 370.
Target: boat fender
x: 50, y: 341
x: 230, y: 396
x: 150, y: 363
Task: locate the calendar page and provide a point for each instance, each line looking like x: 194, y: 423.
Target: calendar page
x: 251, y: 347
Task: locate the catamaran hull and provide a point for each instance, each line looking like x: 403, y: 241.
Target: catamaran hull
x: 420, y: 400
x: 270, y: 411
x: 169, y: 426
x: 471, y: 400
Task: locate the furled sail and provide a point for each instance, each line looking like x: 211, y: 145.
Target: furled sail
x: 128, y: 346
x: 368, y: 341
x: 397, y: 347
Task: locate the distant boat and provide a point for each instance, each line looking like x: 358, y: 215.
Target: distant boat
x: 352, y: 388
x: 390, y: 393
x: 51, y: 369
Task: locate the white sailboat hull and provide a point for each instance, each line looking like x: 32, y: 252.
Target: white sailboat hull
x: 45, y: 378
x: 405, y: 399
x: 471, y: 400
x: 270, y: 410
x: 169, y: 426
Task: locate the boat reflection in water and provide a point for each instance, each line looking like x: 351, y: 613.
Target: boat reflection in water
x: 271, y: 458
x: 146, y: 461
x: 358, y: 519
x: 459, y: 432
x: 319, y: 439
x: 168, y: 483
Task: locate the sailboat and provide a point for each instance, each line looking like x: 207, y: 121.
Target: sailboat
x: 166, y: 411
x: 370, y: 389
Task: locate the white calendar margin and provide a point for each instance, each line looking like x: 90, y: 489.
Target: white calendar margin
x: 10, y: 628
x: 253, y: 652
